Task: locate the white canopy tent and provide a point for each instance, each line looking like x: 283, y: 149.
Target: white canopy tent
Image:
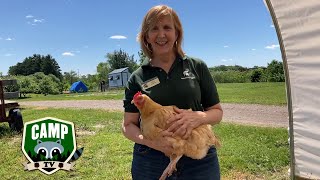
x: 297, y: 23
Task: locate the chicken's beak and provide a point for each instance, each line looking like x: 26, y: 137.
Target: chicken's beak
x: 132, y: 102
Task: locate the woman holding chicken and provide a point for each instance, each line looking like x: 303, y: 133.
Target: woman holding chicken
x: 169, y: 77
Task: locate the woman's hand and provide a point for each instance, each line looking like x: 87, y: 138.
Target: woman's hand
x: 184, y: 122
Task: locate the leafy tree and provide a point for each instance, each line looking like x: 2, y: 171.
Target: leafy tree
x: 45, y: 86
x: 256, y: 75
x: 70, y: 77
x: 36, y: 78
x: 121, y: 59
x: 219, y: 68
x: 18, y: 69
x: 230, y: 76
x: 142, y: 56
x: 36, y: 63
x: 229, y: 68
x: 275, y: 71
x: 57, y: 84
x: 103, y: 70
x: 50, y: 66
x: 25, y: 83
x: 91, y: 81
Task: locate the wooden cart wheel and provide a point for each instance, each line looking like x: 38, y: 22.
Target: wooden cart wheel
x: 16, y: 123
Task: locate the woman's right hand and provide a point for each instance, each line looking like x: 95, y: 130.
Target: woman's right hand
x: 162, y: 144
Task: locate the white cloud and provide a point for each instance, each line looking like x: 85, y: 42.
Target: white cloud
x: 0, y: 38
x: 34, y: 21
x: 253, y: 49
x: 29, y: 16
x: 226, y: 60
x: 7, y: 55
x: 226, y: 46
x: 67, y: 54
x: 9, y: 39
x: 38, y: 20
x: 273, y: 46
x: 118, y: 37
x: 272, y: 26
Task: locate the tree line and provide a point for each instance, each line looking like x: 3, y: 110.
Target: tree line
x: 42, y: 75
x: 237, y: 74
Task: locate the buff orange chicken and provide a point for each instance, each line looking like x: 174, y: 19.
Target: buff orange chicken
x: 154, y: 120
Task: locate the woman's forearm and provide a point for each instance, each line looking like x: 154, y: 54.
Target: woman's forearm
x: 132, y: 132
x: 212, y: 115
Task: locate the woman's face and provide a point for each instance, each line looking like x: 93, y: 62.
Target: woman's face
x: 162, y: 37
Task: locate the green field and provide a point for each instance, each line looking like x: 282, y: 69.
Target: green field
x: 253, y: 93
x: 249, y: 93
x: 110, y: 94
x: 246, y: 152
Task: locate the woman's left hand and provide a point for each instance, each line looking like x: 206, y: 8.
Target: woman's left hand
x: 184, y: 122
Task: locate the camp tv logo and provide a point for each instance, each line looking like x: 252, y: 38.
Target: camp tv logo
x: 49, y: 144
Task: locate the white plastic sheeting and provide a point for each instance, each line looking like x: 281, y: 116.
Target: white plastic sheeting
x: 298, y: 27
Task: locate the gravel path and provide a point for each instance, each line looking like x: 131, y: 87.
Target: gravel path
x: 253, y: 114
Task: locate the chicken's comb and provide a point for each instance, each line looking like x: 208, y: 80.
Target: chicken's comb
x: 137, y: 94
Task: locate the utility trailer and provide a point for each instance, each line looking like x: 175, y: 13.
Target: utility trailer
x: 14, y: 117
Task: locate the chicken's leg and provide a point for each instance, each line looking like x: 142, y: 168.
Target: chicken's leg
x: 170, y: 168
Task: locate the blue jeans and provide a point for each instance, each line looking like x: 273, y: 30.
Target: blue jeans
x: 149, y: 164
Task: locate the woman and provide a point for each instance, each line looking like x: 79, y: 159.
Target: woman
x: 177, y: 80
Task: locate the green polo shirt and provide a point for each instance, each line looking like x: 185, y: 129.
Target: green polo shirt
x: 188, y: 84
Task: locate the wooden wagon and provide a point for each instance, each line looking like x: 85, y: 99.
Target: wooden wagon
x: 14, y: 117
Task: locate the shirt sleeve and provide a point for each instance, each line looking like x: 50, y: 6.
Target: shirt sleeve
x: 209, y: 93
x: 132, y: 87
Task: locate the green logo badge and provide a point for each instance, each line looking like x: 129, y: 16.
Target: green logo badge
x: 49, y: 144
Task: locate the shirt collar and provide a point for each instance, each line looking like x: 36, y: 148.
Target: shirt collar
x: 146, y: 61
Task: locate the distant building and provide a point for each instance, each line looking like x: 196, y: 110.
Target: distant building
x: 119, y: 77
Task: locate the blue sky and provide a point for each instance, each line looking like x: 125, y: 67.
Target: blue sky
x: 79, y: 33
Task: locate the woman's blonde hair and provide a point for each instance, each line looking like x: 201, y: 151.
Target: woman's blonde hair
x: 150, y: 19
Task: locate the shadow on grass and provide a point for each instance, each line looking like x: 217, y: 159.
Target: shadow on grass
x: 5, y: 131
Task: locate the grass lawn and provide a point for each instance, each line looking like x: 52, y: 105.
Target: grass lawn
x: 110, y: 94
x: 253, y: 93
x: 247, y: 152
x: 249, y: 93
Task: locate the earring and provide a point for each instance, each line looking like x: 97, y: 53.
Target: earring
x: 176, y: 43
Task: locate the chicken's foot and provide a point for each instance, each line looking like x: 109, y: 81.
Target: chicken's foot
x: 170, y: 168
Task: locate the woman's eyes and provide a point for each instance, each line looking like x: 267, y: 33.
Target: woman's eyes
x: 154, y: 28
x: 167, y: 27
x: 164, y: 27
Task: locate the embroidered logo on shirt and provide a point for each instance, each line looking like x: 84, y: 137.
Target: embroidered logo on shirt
x: 150, y: 83
x: 187, y: 74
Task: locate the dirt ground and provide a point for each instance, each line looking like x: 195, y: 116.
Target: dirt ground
x: 250, y: 114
